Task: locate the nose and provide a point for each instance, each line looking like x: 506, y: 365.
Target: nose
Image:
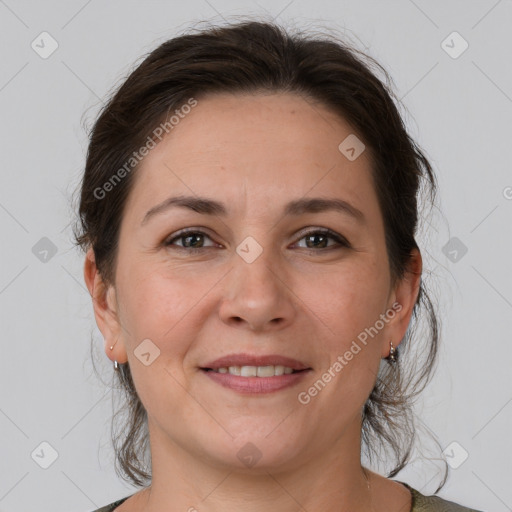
x: 258, y: 295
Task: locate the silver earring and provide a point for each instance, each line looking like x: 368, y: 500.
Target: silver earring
x: 392, y: 358
x: 116, y: 364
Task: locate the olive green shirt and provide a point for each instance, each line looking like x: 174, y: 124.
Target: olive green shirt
x: 420, y: 503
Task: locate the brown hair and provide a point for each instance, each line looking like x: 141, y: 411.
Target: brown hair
x: 247, y: 57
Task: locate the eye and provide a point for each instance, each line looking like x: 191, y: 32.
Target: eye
x: 193, y: 240
x: 188, y: 236
x: 322, y: 236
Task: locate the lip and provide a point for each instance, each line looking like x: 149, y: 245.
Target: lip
x: 255, y: 360
x: 255, y: 385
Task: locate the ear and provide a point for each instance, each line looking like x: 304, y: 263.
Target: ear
x: 402, y: 301
x: 105, y: 309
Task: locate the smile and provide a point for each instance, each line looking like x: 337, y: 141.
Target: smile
x: 252, y: 379
x: 256, y: 371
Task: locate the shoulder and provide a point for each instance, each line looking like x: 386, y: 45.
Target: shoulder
x: 422, y: 503
x: 112, y: 506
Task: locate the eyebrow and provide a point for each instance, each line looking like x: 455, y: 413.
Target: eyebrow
x: 206, y: 206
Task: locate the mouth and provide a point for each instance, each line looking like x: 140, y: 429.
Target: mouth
x: 255, y: 371
x: 255, y: 374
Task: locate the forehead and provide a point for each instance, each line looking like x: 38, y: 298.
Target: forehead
x: 285, y: 122
x: 264, y: 146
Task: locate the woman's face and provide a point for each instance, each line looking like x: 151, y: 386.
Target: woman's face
x: 254, y: 284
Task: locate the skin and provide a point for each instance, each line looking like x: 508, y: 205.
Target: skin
x: 254, y: 153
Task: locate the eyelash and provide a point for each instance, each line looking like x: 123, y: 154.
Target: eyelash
x: 324, y: 231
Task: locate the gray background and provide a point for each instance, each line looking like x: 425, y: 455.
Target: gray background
x: 460, y: 111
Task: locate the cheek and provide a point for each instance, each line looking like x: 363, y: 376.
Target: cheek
x: 153, y: 306
x: 160, y: 309
x: 348, y: 300
x: 350, y: 304
x: 169, y: 306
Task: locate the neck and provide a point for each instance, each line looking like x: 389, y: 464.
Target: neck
x: 329, y: 481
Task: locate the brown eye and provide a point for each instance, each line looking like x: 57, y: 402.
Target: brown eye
x: 191, y: 240
x: 318, y: 239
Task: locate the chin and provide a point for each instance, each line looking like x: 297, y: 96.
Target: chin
x: 257, y: 450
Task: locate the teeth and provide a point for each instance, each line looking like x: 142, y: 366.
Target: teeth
x: 265, y: 371
x: 256, y: 371
x: 234, y: 370
x: 248, y: 371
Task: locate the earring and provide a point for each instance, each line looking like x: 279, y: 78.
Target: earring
x: 393, y: 354
x: 116, y: 364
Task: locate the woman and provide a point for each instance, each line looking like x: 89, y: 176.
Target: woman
x: 248, y: 212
